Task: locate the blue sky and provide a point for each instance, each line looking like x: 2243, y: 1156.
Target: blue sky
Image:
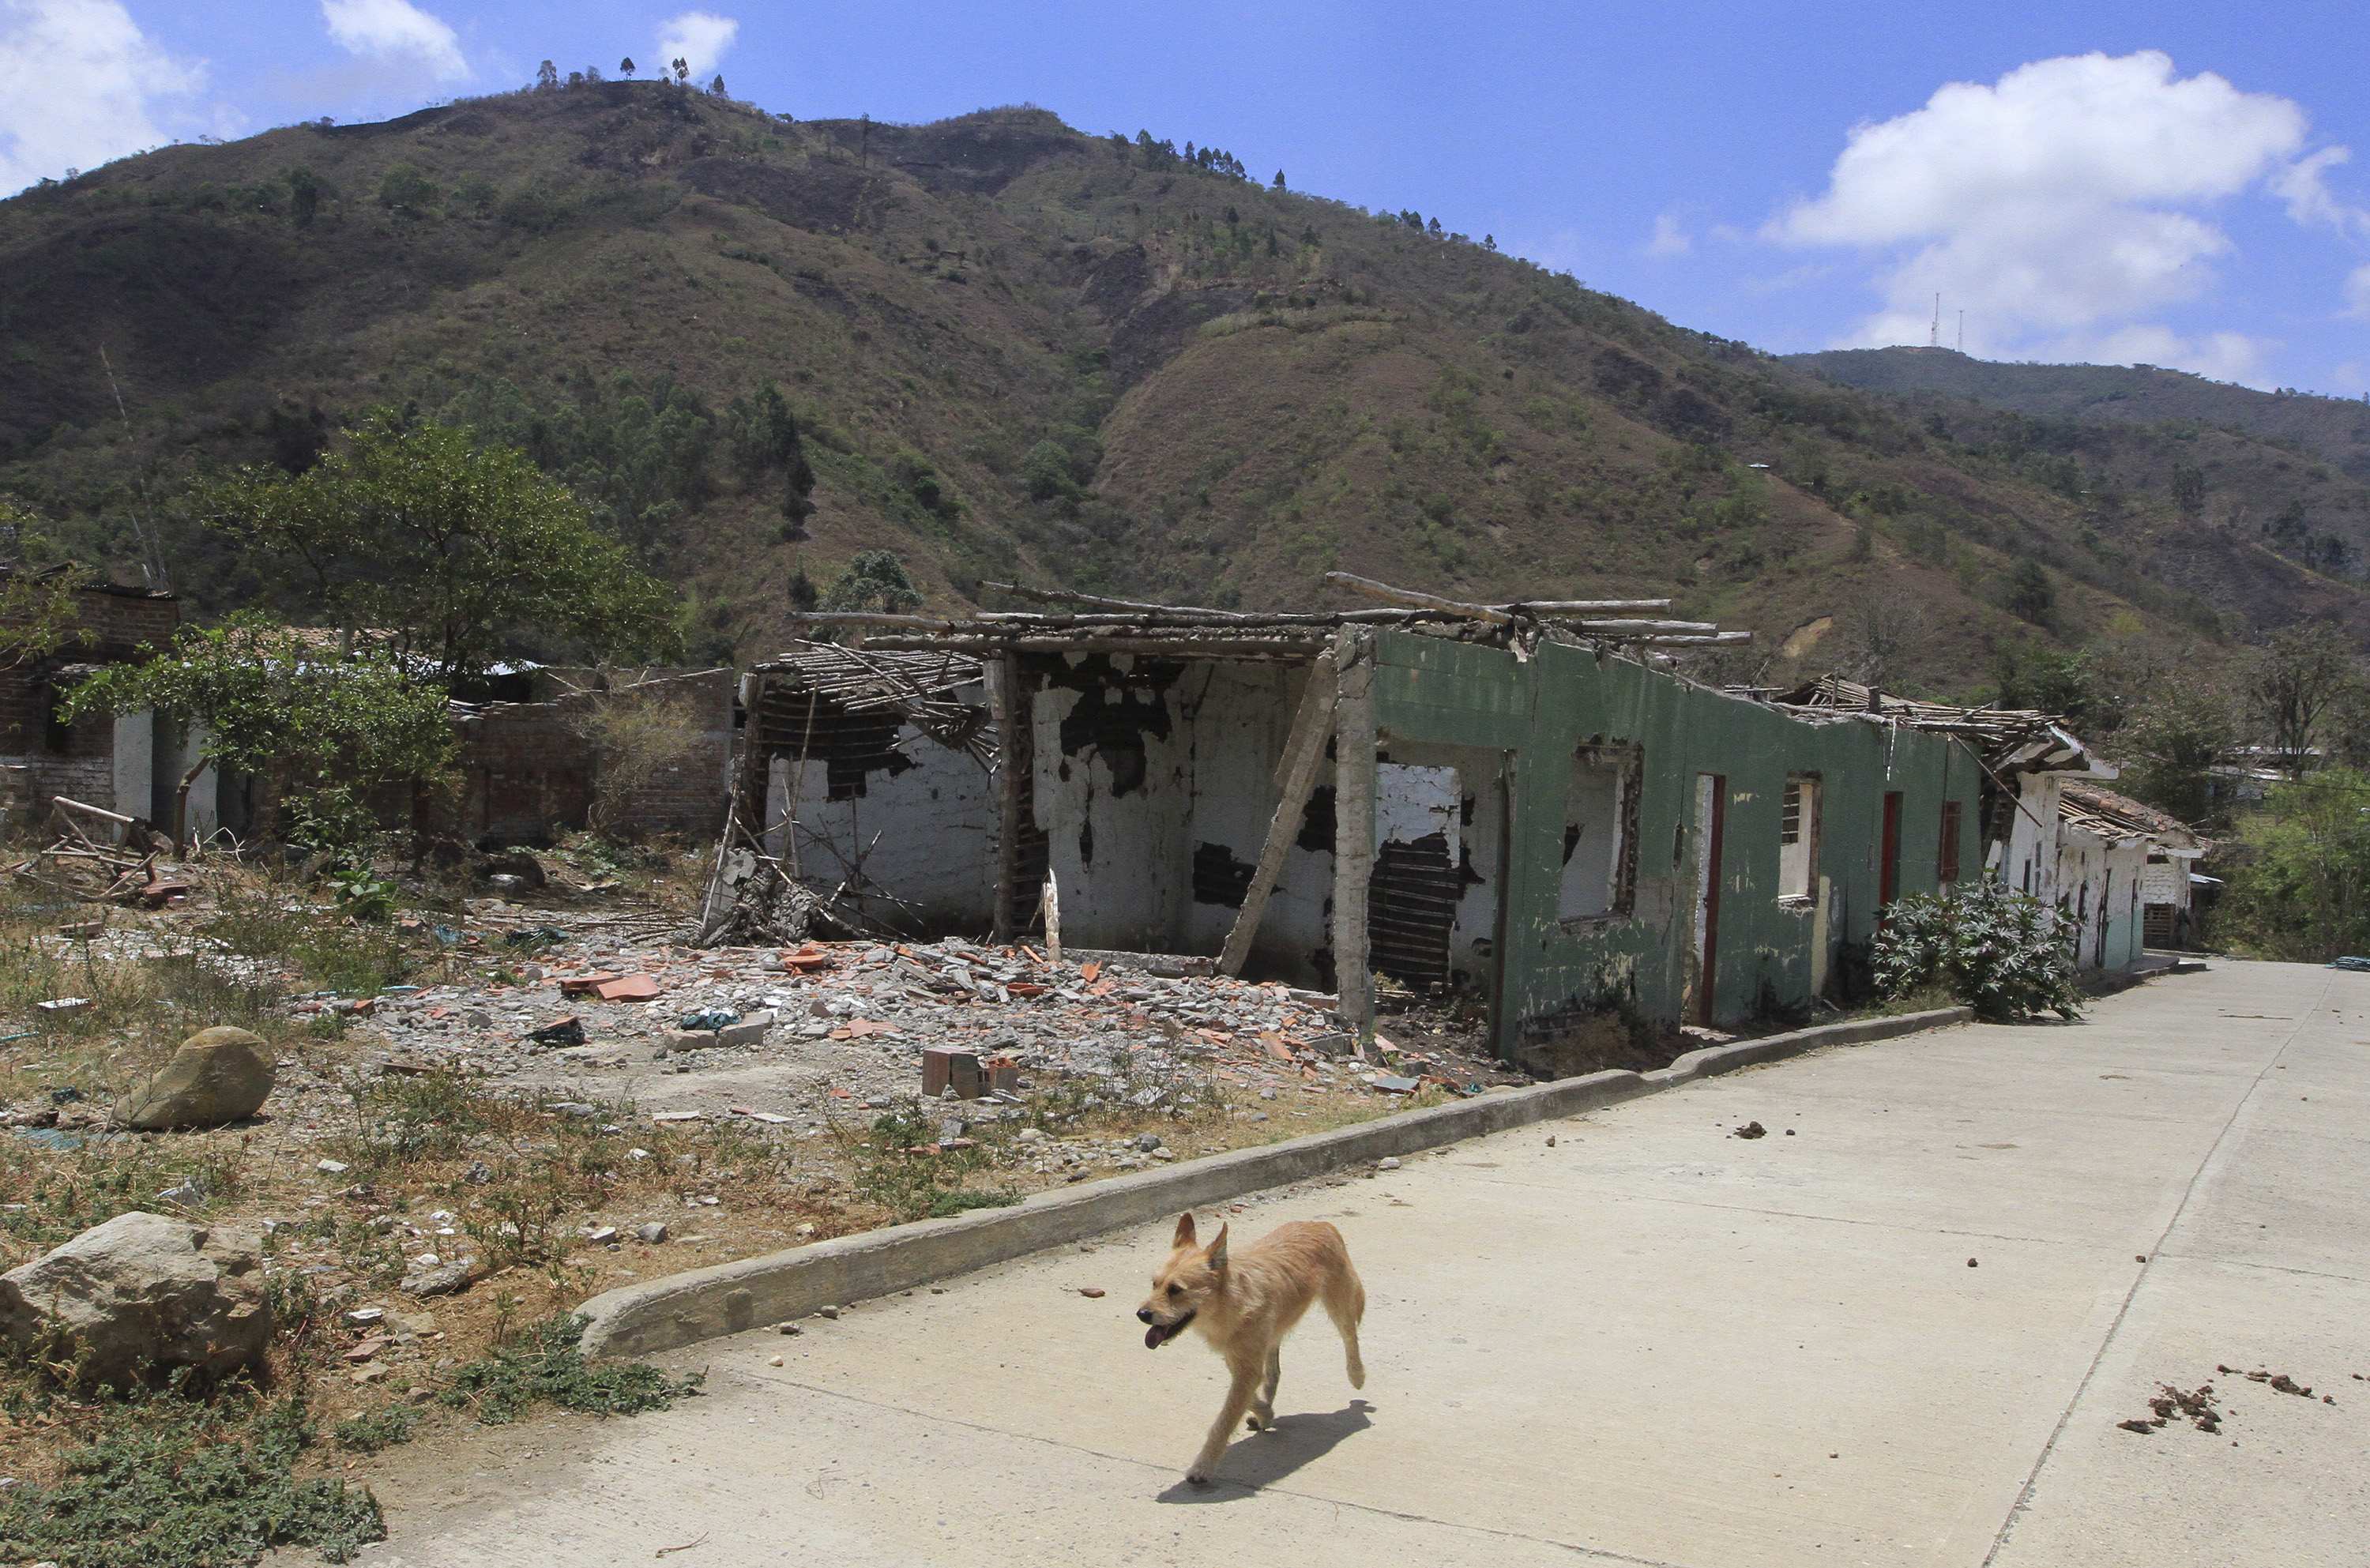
x: 2111, y: 182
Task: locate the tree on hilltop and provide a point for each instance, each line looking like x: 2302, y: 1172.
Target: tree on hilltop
x: 625, y: 67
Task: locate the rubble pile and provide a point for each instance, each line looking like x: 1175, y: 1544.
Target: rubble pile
x: 797, y: 1037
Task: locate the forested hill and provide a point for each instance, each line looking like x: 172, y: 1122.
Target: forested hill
x: 1008, y: 348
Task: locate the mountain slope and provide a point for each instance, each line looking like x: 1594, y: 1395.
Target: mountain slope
x: 1018, y: 349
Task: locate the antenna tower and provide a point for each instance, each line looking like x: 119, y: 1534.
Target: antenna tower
x: 1934, y: 333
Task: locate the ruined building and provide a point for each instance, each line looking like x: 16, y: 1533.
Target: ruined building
x: 1516, y: 801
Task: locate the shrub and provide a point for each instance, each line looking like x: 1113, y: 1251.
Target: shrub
x: 2004, y: 953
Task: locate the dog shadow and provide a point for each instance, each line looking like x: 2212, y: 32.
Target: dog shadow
x: 1261, y: 1459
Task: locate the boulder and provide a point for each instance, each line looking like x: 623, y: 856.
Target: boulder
x: 142, y: 1293
x: 215, y: 1076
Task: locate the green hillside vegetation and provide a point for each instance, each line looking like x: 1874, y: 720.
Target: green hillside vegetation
x: 2286, y: 470
x: 999, y: 347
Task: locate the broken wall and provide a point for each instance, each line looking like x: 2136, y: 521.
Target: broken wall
x: 528, y: 771
x: 43, y: 758
x: 918, y: 817
x: 1768, y: 953
x: 1155, y: 782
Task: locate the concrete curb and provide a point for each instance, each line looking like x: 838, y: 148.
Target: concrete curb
x: 679, y: 1310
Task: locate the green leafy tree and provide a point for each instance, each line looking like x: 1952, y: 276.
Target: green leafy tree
x: 407, y: 192
x: 2304, y: 674
x: 2030, y: 595
x: 449, y: 553
x: 716, y: 84
x: 2172, y: 745
x: 1046, y: 471
x: 625, y: 67
x: 875, y: 579
x: 546, y: 76
x: 2188, y: 488
x: 323, y: 726
x: 41, y: 603
x: 303, y: 197
x: 2299, y: 871
x: 1279, y: 179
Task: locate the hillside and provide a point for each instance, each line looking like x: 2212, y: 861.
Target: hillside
x: 2336, y: 430
x: 2286, y: 468
x: 1015, y: 349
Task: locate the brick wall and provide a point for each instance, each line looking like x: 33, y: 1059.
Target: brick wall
x: 526, y: 773
x: 44, y: 759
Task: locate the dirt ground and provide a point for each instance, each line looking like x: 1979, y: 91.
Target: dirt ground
x: 463, y: 1138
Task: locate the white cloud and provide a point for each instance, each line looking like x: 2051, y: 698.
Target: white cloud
x: 398, y: 32
x: 86, y: 86
x: 2223, y: 356
x: 2065, y: 203
x: 2357, y: 293
x: 698, y: 37
x: 1670, y: 238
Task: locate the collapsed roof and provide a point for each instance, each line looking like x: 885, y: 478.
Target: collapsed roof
x: 1096, y: 624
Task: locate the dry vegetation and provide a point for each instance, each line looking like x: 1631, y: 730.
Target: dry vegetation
x: 359, y: 1164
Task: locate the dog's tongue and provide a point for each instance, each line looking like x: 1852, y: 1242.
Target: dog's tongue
x: 1154, y: 1337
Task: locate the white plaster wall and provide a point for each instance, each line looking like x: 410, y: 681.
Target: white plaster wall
x: 2124, y: 937
x: 1240, y: 718
x: 135, y: 765
x: 2032, y: 863
x: 927, y: 835
x: 1129, y: 895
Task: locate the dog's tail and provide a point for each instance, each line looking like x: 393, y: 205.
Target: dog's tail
x: 1345, y: 1303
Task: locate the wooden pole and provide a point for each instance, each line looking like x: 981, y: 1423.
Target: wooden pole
x: 1354, y: 828
x: 1053, y: 916
x: 1496, y: 614
x: 1303, y: 749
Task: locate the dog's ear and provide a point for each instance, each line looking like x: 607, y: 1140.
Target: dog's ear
x: 1216, y: 1256
x: 1184, y: 1237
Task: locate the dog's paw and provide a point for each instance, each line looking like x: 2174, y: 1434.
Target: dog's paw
x: 1198, y: 1476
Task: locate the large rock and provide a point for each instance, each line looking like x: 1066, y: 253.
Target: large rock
x: 215, y: 1076
x: 142, y: 1293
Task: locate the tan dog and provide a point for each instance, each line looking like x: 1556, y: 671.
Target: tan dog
x: 1245, y: 1303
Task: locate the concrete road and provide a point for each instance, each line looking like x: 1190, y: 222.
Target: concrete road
x: 1900, y: 1329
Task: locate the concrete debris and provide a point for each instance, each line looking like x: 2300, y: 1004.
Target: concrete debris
x: 434, y: 1277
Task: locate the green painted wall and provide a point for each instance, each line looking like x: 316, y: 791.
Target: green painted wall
x: 1430, y: 690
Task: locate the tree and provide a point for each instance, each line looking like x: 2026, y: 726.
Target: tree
x: 304, y: 196
x: 625, y: 67
x: 681, y: 71
x: 2031, y: 595
x: 716, y: 84
x: 546, y: 76
x: 1279, y: 179
x: 2299, y: 871
x: 2298, y: 680
x: 323, y: 727
x: 41, y: 607
x: 407, y: 192
x: 1046, y: 471
x: 447, y: 552
x: 2188, y: 488
x: 2172, y: 745
x: 875, y: 579
x: 1883, y: 632
x: 636, y: 732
